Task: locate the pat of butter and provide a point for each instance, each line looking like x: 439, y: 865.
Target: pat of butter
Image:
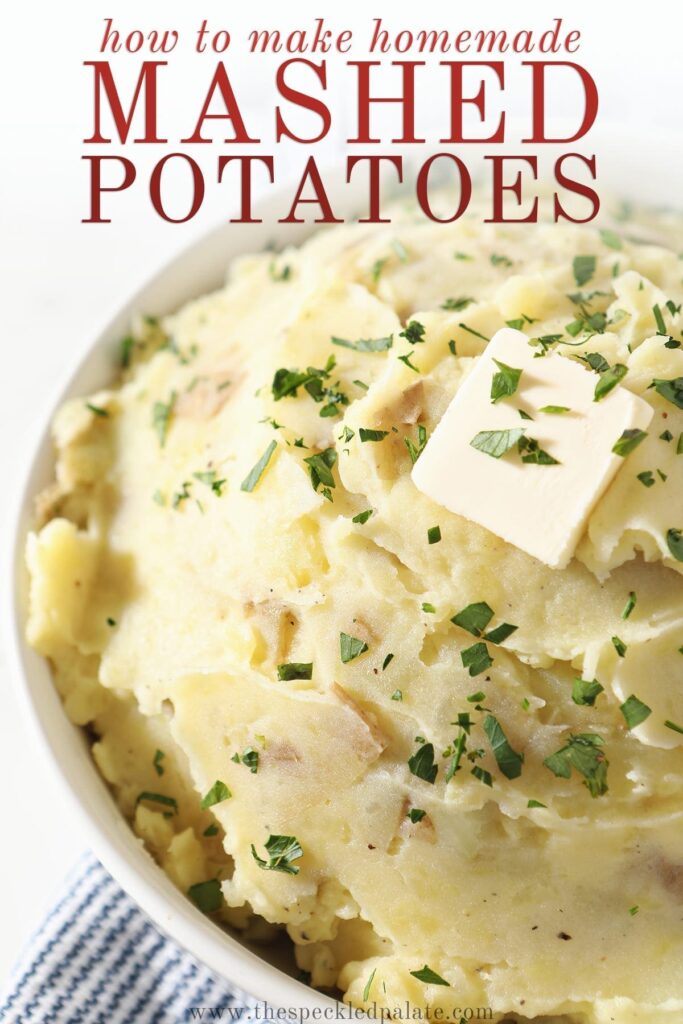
x: 541, y: 509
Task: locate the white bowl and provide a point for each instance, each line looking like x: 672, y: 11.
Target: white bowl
x: 199, y: 269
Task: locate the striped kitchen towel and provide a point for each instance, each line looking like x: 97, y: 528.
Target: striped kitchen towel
x: 98, y: 959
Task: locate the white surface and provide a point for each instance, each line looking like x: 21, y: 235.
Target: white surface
x: 542, y: 509
x: 60, y: 279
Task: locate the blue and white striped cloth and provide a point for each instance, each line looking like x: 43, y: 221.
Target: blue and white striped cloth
x: 98, y: 959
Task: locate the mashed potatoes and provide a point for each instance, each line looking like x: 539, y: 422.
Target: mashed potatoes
x: 244, y: 596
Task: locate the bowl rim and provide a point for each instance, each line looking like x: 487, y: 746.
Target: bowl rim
x: 195, y: 270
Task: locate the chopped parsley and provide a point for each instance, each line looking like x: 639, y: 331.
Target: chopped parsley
x: 586, y: 691
x: 482, y: 775
x: 429, y: 977
x: 209, y: 477
x: 634, y: 711
x: 555, y: 410
x: 422, y: 764
x: 211, y: 830
x: 350, y: 647
x: 295, y: 670
x: 372, y: 435
x: 406, y: 360
x: 250, y: 759
x: 476, y: 658
x: 397, y: 695
x: 126, y: 351
x: 368, y: 985
x: 671, y: 390
x: 505, y: 382
x: 531, y: 452
x: 500, y: 633
x: 413, y: 332
x: 583, y: 268
x: 157, y: 798
x: 283, y: 274
x: 674, y: 541
x: 629, y: 440
x: 416, y: 814
x: 362, y: 517
x: 497, y: 260
x: 159, y: 755
x: 256, y: 472
x: 471, y: 330
x: 162, y: 413
x: 619, y: 646
x: 610, y: 239
x: 208, y: 896
x: 97, y: 410
x: 609, y: 379
x: 646, y: 478
x: 497, y: 442
x: 456, y: 305
x: 366, y: 344
x: 427, y: 607
x: 535, y: 803
x: 582, y: 752
x: 286, y: 383
x: 433, y: 534
x: 216, y: 795
x: 415, y: 450
x: 389, y: 658
x: 674, y: 727
x: 281, y: 850
x: 507, y: 759
x: 320, y: 468
x: 659, y: 320
x: 630, y: 604
x: 596, y: 361
x: 474, y: 618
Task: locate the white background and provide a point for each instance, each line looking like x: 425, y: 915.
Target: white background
x: 62, y: 279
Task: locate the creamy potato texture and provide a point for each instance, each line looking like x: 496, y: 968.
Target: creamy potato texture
x: 237, y: 582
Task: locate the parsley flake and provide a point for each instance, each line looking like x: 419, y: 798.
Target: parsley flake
x: 507, y: 759
x: 433, y: 534
x: 256, y: 472
x: 585, y: 691
x: 583, y: 268
x: 208, y: 896
x: 582, y: 752
x: 505, y: 382
x: 630, y: 604
x: 159, y: 755
x: 634, y: 711
x: 629, y: 441
x: 350, y: 647
x: 413, y: 332
x: 372, y: 435
x: 474, y: 618
x: 619, y: 646
x: 497, y: 442
x: 362, y: 517
x: 282, y: 850
x: 609, y: 379
x: 216, y: 795
x: 671, y: 390
x: 422, y: 764
x: 476, y: 658
x: 161, y: 417
x: 429, y: 977
x: 674, y: 541
x: 366, y: 344
x: 295, y: 670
